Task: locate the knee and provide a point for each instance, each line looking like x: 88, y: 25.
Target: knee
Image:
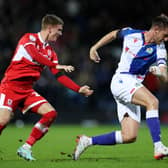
x: 48, y: 118
x: 153, y: 103
x: 51, y: 115
x: 128, y: 138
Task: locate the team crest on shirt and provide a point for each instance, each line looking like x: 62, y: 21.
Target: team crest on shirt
x: 149, y: 50
x: 32, y: 38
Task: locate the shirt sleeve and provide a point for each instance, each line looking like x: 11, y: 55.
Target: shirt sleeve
x: 126, y: 31
x: 32, y: 50
x: 54, y: 59
x: 161, y: 55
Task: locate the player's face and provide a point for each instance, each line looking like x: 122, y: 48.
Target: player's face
x: 55, y: 32
x: 161, y: 35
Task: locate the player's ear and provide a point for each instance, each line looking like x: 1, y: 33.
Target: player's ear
x: 157, y: 29
x: 49, y: 29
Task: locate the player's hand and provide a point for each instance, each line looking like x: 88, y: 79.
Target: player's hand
x: 69, y: 68
x: 94, y: 56
x: 85, y: 90
x: 155, y: 70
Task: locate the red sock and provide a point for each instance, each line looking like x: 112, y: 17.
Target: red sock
x: 35, y: 135
x: 41, y: 128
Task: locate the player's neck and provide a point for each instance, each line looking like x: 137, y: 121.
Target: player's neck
x: 44, y: 35
x: 148, y: 36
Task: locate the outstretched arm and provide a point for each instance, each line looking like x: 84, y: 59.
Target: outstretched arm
x: 103, y: 41
x: 67, y: 82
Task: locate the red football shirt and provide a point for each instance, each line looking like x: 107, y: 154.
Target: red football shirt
x: 31, y: 56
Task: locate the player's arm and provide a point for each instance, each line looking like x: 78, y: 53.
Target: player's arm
x: 32, y: 50
x: 103, y: 41
x: 160, y: 71
x: 69, y: 83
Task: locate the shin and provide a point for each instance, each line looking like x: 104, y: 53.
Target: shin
x: 41, y: 127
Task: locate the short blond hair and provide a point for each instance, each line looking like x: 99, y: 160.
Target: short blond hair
x: 50, y: 19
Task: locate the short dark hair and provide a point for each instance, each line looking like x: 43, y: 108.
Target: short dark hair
x: 50, y: 19
x: 160, y: 21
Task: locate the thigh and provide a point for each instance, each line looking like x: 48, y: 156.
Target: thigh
x: 5, y: 116
x: 132, y: 110
x: 45, y: 108
x: 143, y: 97
x: 129, y: 126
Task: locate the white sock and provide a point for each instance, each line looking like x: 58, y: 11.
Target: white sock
x: 158, y: 144
x: 90, y: 141
x: 118, y: 137
x: 26, y: 146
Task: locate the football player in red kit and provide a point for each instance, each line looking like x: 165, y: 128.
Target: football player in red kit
x: 32, y: 54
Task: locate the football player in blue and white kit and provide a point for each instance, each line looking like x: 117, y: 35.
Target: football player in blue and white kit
x: 141, y: 49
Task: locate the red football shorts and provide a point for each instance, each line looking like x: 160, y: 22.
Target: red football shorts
x: 12, y: 97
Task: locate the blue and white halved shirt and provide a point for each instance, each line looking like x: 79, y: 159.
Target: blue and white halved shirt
x: 136, y: 56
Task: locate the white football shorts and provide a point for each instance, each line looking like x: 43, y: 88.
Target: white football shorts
x: 123, y: 86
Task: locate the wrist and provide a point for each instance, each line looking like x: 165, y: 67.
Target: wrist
x: 60, y: 66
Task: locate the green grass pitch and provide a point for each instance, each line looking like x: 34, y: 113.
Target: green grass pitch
x: 61, y: 138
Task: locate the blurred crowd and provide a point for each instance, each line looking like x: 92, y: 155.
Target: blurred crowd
x: 85, y: 22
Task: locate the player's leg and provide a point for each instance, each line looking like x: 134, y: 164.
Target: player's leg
x: 48, y: 114
x: 129, y: 129
x: 127, y: 134
x: 121, y: 89
x: 126, y: 111
x: 145, y: 98
x: 5, y: 116
x: 129, y: 116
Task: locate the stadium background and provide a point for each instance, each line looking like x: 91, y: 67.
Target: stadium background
x: 85, y: 22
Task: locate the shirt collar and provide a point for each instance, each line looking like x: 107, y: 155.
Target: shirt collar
x: 41, y: 40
